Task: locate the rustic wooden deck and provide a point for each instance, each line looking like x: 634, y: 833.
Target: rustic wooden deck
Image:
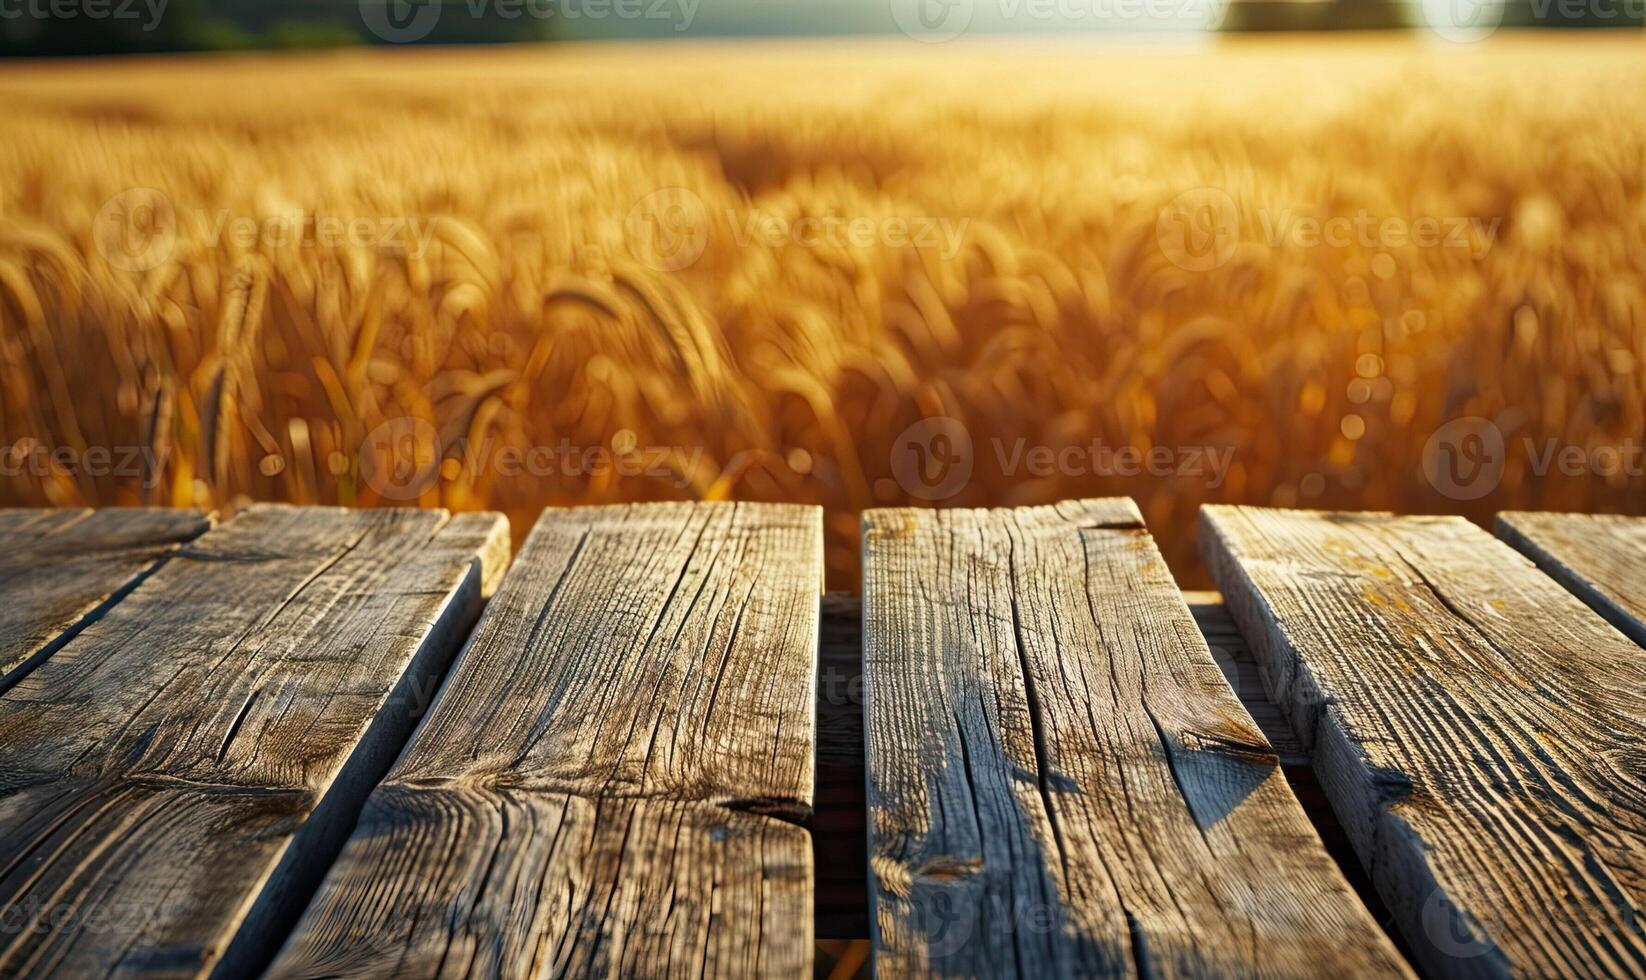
x: 313, y: 742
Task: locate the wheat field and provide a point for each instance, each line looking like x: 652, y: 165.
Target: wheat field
x: 582, y: 274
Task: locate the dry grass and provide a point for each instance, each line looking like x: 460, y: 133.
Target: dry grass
x: 262, y: 372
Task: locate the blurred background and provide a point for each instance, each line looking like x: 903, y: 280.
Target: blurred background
x: 933, y: 252
x: 68, y: 27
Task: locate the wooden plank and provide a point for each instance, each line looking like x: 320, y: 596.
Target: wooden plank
x: 1478, y: 730
x: 1061, y: 782
x: 1600, y: 558
x: 606, y: 782
x: 175, y: 779
x: 61, y: 569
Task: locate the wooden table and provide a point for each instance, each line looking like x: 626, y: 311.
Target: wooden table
x: 315, y: 742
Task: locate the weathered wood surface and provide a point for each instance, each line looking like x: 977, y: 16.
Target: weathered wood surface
x: 606, y: 782
x: 1481, y: 733
x: 1061, y: 782
x: 176, y: 778
x: 1601, y: 558
x: 61, y: 569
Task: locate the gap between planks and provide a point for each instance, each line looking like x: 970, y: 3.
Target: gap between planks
x: 62, y: 570
x: 1600, y: 558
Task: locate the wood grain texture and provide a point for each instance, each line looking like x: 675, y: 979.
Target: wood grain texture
x: 174, y: 780
x: 492, y: 882
x: 603, y: 785
x: 1600, y: 558
x: 1480, y: 732
x: 61, y: 569
x: 1061, y: 782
